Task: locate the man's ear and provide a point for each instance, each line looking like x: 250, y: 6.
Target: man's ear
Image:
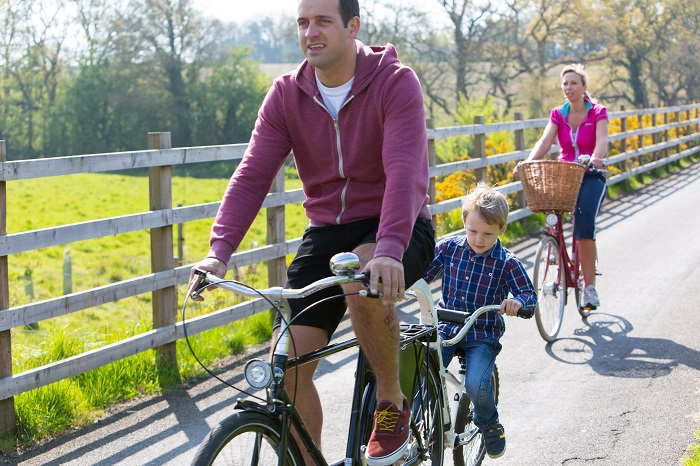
x: 354, y: 26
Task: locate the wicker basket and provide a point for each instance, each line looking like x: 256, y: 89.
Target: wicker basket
x: 551, y: 186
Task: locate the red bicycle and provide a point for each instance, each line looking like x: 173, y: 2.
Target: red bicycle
x: 552, y: 187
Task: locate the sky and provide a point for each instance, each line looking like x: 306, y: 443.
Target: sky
x: 243, y: 10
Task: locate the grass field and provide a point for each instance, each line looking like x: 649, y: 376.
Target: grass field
x: 39, y: 275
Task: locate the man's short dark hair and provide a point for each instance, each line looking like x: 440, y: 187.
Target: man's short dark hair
x: 348, y: 10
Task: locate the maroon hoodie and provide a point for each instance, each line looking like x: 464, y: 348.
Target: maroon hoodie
x: 371, y: 161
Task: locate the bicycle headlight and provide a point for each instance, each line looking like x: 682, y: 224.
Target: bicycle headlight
x: 551, y: 219
x: 258, y: 373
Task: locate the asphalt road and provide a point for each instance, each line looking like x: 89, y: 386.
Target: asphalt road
x: 619, y: 388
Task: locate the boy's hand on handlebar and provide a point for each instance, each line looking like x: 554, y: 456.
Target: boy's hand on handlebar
x: 390, y: 272
x: 510, y: 307
x: 211, y: 265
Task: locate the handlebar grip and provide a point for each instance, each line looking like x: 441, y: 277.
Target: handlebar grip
x: 523, y: 314
x: 452, y: 316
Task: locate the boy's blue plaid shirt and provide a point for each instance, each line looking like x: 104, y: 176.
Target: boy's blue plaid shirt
x: 471, y: 280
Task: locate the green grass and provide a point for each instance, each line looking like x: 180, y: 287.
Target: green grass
x: 692, y: 457
x: 38, y: 275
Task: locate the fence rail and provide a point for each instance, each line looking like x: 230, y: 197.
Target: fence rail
x: 166, y: 276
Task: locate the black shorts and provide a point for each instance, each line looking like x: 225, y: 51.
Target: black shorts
x: 319, y: 244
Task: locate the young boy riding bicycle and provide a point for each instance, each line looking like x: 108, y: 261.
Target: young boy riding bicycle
x: 478, y: 271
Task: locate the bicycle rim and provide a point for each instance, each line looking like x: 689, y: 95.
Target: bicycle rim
x: 246, y: 438
x: 427, y: 417
x: 550, y: 283
x: 472, y: 451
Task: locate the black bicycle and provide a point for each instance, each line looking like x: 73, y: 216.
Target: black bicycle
x: 258, y: 433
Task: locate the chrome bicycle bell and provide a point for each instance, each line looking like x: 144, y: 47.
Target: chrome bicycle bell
x: 345, y: 263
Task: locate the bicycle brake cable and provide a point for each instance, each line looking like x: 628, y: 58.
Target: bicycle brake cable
x: 194, y: 355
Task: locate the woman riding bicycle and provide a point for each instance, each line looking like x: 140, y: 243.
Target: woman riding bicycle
x: 581, y: 127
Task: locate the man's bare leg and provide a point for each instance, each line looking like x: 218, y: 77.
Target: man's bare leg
x: 377, y: 329
x: 302, y: 390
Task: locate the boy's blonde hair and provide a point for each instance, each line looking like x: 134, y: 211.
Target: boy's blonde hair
x: 490, y: 204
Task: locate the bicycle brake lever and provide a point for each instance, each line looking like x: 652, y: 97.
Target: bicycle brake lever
x: 369, y: 294
x: 198, y: 284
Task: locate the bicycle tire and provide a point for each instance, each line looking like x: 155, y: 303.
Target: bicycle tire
x: 246, y: 437
x: 550, y: 284
x: 427, y: 414
x: 369, y: 403
x: 473, y: 452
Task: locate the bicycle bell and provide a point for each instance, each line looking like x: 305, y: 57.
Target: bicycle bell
x: 551, y: 219
x: 345, y: 263
x: 258, y: 373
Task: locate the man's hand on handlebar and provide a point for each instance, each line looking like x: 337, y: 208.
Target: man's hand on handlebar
x: 390, y: 272
x: 211, y: 265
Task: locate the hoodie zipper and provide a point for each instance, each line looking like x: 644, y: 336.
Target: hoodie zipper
x: 336, y: 127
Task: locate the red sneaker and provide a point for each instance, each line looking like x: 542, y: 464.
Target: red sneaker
x: 390, y: 435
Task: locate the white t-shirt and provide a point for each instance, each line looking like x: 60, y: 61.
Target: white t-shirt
x: 334, y: 97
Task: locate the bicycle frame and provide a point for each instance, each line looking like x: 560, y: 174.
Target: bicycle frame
x: 429, y: 317
x: 279, y: 405
x: 571, y: 263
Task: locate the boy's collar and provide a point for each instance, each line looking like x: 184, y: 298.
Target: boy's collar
x: 496, y: 251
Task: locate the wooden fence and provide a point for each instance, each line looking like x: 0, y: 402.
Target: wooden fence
x: 162, y: 282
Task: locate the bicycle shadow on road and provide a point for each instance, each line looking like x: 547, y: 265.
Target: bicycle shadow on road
x: 604, y: 343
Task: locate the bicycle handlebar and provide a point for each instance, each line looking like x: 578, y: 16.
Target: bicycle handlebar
x: 276, y: 293
x: 467, y: 320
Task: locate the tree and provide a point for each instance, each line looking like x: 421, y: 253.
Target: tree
x: 169, y: 37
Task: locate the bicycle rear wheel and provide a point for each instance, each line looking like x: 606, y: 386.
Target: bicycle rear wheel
x: 246, y: 438
x: 472, y: 450
x: 427, y: 439
x: 550, y: 283
x: 427, y: 415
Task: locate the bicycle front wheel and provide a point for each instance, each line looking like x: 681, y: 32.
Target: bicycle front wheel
x: 246, y: 438
x: 550, y: 283
x: 471, y: 450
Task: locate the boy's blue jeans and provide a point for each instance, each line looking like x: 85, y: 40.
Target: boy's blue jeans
x: 480, y: 358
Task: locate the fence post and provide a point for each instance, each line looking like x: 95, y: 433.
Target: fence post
x: 666, y: 133
x: 7, y: 406
x: 276, y: 268
x: 181, y: 256
x: 432, y: 161
x: 520, y: 145
x: 654, y: 136
x: 67, y: 272
x: 480, y: 148
x: 164, y: 300
x: 623, y: 141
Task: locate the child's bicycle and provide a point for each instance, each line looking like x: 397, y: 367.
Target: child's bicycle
x: 258, y: 433
x: 552, y: 187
